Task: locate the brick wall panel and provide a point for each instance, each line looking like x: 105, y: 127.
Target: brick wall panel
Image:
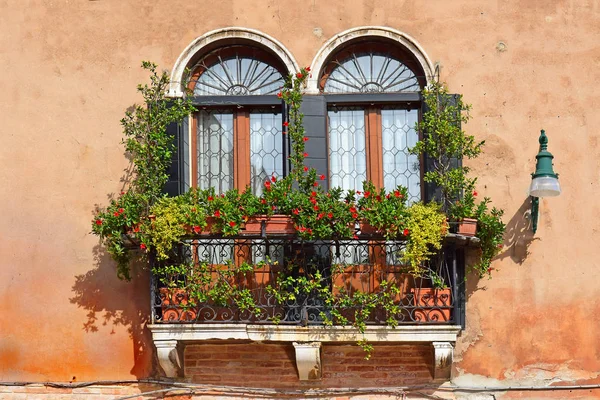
x: 273, y: 365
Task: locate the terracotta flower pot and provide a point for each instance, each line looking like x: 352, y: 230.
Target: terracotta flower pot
x: 432, y: 305
x: 467, y: 227
x: 275, y: 225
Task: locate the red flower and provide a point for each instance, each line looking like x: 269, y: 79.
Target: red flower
x: 305, y: 154
x: 307, y: 68
x: 295, y: 211
x: 286, y: 124
x: 98, y: 221
x: 352, y: 209
x: 197, y: 229
x: 354, y: 215
x: 305, y: 139
x: 273, y: 208
x: 396, y: 193
x: 378, y: 198
x: 321, y: 215
x: 305, y: 169
x: 316, y: 208
x: 210, y: 198
x: 405, y: 232
x: 302, y: 229
x: 358, y: 192
x: 322, y: 177
x: 121, y: 210
x: 116, y: 214
x: 268, y: 185
x: 367, y: 194
x: 474, y: 193
x: 387, y: 196
x: 273, y: 179
x: 136, y: 228
x: 217, y: 213
x: 315, y: 184
x: 143, y: 246
x: 313, y: 193
x: 279, y: 95
x: 122, y: 193
x: 263, y: 201
x: 231, y: 224
x: 500, y: 246
x: 330, y: 215
x: 299, y: 75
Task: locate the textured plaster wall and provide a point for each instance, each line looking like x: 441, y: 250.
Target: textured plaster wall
x: 68, y: 70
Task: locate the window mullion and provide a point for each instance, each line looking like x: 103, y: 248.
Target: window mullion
x: 241, y: 150
x: 374, y: 146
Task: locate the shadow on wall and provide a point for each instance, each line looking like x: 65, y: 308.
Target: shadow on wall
x: 519, y: 235
x: 112, y: 302
x: 517, y: 239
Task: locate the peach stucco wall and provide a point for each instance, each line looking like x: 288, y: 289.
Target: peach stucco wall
x: 68, y: 70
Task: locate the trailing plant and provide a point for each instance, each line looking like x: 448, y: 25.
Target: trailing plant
x: 150, y: 149
x: 490, y: 233
x: 425, y: 230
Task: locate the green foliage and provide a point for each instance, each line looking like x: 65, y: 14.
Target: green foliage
x: 167, y: 225
x: 426, y: 229
x: 150, y: 149
x: 491, y: 235
x: 445, y: 140
x: 386, y: 212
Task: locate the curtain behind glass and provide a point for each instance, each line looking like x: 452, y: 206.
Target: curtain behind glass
x: 215, y: 150
x: 266, y: 155
x: 398, y: 134
x: 347, y: 155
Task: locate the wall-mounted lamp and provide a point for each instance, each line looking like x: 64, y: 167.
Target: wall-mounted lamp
x: 544, y: 181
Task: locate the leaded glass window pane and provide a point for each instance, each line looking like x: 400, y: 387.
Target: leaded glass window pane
x: 371, y: 72
x: 347, y: 153
x: 215, y: 150
x: 266, y: 155
x: 398, y: 134
x: 237, y: 74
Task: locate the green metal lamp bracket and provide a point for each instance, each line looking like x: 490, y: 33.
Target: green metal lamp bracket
x: 535, y: 206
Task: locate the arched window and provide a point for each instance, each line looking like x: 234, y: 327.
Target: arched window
x: 372, y: 88
x: 237, y: 132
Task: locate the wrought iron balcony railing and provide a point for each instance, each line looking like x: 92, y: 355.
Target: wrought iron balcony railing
x: 285, y: 280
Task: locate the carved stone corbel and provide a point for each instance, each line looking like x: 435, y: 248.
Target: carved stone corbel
x: 169, y: 358
x: 443, y: 353
x: 308, y: 360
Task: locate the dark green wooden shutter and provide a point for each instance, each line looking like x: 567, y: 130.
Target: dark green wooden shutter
x: 315, y: 125
x: 178, y: 172
x: 432, y: 191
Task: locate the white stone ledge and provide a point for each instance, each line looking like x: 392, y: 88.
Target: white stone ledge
x: 283, y: 333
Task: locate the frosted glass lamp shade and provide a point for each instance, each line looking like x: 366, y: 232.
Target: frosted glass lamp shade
x: 544, y: 186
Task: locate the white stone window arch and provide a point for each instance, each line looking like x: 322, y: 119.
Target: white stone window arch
x: 338, y: 41
x: 216, y: 37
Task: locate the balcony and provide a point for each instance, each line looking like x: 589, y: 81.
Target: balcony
x: 308, y: 292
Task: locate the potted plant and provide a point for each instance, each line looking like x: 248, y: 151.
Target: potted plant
x: 445, y: 143
x: 462, y: 213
